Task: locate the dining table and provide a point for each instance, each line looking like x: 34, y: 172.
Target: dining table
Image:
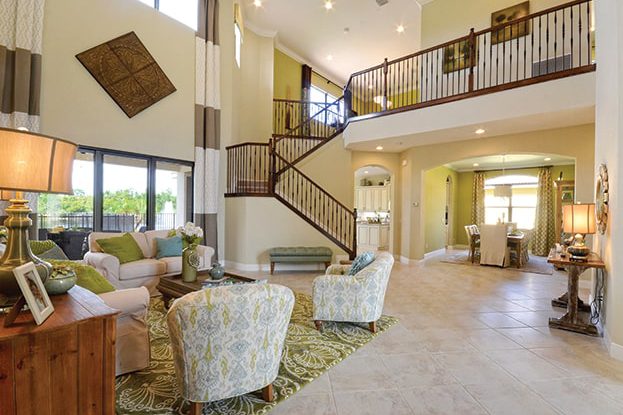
x: 515, y: 241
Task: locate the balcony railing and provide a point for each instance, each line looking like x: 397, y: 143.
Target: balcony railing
x: 546, y: 45
x: 111, y: 223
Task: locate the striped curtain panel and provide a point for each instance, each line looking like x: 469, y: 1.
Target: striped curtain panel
x: 207, y: 121
x: 478, y: 199
x: 21, y: 32
x: 544, y: 236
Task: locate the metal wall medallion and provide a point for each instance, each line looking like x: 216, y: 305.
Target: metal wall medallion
x: 601, y: 199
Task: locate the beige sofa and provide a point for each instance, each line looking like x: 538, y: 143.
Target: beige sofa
x: 145, y: 272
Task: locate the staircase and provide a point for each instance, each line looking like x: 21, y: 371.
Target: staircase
x: 269, y: 169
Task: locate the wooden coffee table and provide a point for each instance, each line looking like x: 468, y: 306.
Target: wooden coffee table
x: 172, y: 287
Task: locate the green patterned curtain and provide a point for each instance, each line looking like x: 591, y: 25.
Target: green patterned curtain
x: 545, y: 223
x: 478, y: 199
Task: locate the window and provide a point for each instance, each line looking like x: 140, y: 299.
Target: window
x: 74, y: 212
x: 184, y: 11
x: 318, y: 101
x: 515, y: 200
x: 238, y: 39
x: 121, y: 192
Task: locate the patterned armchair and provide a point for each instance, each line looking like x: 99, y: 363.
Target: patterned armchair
x: 358, y: 298
x: 228, y: 341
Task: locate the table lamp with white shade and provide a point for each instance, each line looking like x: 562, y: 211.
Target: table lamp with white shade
x: 30, y: 163
x: 579, y: 220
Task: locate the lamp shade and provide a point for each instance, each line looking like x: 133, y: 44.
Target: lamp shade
x: 35, y: 163
x: 7, y: 195
x: 579, y: 218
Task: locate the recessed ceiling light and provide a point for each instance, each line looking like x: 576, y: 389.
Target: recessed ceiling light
x: 379, y: 148
x: 547, y: 159
x: 480, y: 131
x: 366, y: 172
x: 400, y: 28
x: 328, y: 4
x: 22, y: 128
x: 329, y: 57
x: 257, y: 3
x: 475, y: 164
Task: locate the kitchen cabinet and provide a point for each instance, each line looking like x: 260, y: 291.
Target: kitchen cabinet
x: 373, y: 236
x: 372, y: 198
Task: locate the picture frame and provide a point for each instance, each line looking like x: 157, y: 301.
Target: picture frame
x: 34, y: 292
x: 509, y: 15
x: 457, y: 56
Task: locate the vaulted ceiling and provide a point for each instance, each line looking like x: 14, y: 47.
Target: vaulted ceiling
x: 353, y: 35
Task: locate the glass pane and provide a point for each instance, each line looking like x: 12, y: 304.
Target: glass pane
x: 524, y: 196
x: 524, y: 217
x: 495, y: 215
x: 184, y: 11
x: 125, y: 194
x: 70, y: 212
x: 493, y: 201
x: 173, y: 195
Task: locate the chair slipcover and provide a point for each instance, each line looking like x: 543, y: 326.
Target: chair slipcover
x: 493, y: 245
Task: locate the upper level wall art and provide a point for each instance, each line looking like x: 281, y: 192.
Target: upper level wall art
x: 128, y: 73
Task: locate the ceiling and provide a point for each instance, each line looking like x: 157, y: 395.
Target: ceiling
x: 510, y: 161
x: 308, y: 32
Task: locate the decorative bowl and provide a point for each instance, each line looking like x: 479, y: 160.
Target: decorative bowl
x: 60, y: 284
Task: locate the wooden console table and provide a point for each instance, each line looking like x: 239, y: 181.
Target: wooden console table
x: 64, y: 366
x: 571, y: 320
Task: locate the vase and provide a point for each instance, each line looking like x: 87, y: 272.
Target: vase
x: 61, y: 284
x: 217, y: 271
x: 190, y: 263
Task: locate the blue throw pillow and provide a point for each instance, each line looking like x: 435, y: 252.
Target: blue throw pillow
x: 168, y: 247
x: 361, y: 262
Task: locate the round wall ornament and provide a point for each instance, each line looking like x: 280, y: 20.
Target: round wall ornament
x: 601, y: 199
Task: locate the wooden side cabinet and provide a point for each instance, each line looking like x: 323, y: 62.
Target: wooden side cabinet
x: 64, y: 366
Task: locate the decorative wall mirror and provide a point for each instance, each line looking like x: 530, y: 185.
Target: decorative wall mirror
x: 601, y: 199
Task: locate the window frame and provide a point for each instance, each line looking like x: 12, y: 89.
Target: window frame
x: 509, y: 207
x: 152, y: 162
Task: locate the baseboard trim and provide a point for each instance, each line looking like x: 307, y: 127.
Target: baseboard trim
x: 435, y: 252
x: 458, y: 246
x: 615, y: 350
x: 408, y: 261
x: 278, y: 266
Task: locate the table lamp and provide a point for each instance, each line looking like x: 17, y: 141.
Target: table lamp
x: 579, y: 220
x: 30, y: 163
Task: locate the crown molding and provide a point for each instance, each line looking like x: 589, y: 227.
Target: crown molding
x: 283, y: 48
x: 259, y: 31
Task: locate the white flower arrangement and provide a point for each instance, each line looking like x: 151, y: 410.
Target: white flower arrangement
x: 190, y: 233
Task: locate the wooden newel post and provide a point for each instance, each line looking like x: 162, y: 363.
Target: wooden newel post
x: 472, y: 58
x: 272, y: 166
x: 354, y: 253
x: 385, y: 71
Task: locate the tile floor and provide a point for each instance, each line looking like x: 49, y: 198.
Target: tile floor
x: 471, y: 340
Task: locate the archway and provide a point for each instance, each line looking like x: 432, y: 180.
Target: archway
x: 373, y: 198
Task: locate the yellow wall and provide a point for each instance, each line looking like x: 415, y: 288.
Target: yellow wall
x: 76, y: 107
x: 465, y: 193
x: 434, y: 207
x: 322, y: 83
x: 287, y: 75
x: 444, y: 20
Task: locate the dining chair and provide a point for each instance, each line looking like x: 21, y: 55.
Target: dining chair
x: 493, y: 245
x: 472, y: 243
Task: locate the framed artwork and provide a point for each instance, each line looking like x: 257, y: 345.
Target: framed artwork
x: 567, y: 196
x: 128, y: 73
x: 508, y: 15
x: 456, y: 56
x: 34, y: 293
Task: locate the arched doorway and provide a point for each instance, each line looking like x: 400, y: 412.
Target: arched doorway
x: 373, y: 200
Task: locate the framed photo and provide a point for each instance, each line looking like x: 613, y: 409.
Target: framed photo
x: 508, y: 15
x: 456, y: 56
x: 34, y: 292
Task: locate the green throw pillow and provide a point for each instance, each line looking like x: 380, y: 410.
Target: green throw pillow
x: 123, y: 247
x: 361, y: 262
x: 88, y: 277
x: 39, y: 247
x: 168, y: 247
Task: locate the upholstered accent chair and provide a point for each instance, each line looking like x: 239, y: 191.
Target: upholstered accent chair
x: 357, y: 298
x: 228, y: 341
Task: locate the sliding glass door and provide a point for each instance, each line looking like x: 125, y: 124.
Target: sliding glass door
x: 173, y: 195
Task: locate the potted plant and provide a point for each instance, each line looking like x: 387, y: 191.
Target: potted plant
x: 61, y: 280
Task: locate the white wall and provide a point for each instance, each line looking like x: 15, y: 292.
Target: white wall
x: 608, y: 137
x: 76, y: 107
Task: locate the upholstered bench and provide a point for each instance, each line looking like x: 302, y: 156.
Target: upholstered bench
x: 300, y: 255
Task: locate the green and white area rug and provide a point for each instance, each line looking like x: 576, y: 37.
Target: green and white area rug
x: 307, y: 355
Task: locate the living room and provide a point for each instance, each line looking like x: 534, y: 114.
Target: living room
x: 255, y: 121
